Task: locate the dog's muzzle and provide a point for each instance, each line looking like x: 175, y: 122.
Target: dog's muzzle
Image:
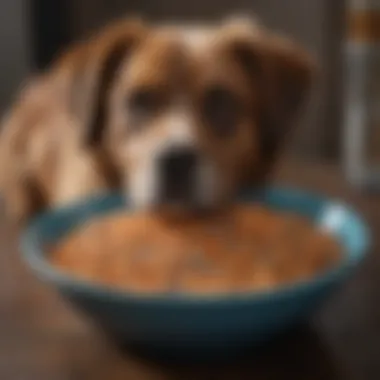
x: 177, y: 173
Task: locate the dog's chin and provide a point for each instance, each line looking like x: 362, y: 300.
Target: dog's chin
x: 202, y: 200
x: 177, y: 210
x: 181, y: 210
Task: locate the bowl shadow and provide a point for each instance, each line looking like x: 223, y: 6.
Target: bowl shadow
x: 297, y: 354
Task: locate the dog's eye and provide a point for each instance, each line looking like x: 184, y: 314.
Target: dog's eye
x: 221, y: 110
x: 144, y: 102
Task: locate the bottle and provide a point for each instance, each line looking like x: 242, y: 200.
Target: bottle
x: 362, y: 94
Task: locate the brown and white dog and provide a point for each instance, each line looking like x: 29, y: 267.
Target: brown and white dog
x: 178, y: 117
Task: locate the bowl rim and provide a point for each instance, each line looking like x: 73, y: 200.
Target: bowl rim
x: 33, y: 254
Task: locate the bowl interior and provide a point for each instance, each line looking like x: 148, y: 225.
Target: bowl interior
x: 333, y: 216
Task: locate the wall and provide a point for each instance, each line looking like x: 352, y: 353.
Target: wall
x: 14, y: 62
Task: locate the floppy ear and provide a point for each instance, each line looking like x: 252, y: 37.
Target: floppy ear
x: 289, y: 76
x: 88, y: 70
x: 280, y: 73
x: 94, y: 68
x: 22, y: 195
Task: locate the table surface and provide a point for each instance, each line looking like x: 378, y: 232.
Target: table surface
x: 42, y: 338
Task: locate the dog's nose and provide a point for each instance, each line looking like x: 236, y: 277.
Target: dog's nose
x: 178, y: 170
x: 178, y: 163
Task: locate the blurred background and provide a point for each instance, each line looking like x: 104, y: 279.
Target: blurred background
x: 339, y: 140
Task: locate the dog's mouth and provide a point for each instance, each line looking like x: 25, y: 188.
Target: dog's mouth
x: 180, y: 211
x: 180, y: 197
x: 179, y: 183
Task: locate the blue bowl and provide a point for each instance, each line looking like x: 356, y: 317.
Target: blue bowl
x: 184, y: 324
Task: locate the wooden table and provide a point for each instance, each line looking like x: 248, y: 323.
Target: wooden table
x: 42, y: 338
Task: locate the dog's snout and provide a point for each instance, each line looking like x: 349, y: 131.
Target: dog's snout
x: 178, y: 163
x: 178, y: 171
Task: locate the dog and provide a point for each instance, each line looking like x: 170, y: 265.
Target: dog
x: 177, y: 117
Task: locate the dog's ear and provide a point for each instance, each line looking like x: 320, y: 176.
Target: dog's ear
x: 22, y: 195
x: 94, y: 67
x: 281, y: 74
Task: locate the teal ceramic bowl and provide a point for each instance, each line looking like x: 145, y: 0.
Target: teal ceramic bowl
x: 199, y: 324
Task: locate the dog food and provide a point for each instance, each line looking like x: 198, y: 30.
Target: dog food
x: 247, y: 248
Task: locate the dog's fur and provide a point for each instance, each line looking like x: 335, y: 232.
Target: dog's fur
x: 74, y: 132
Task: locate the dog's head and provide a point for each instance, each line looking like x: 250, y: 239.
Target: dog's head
x: 190, y: 115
